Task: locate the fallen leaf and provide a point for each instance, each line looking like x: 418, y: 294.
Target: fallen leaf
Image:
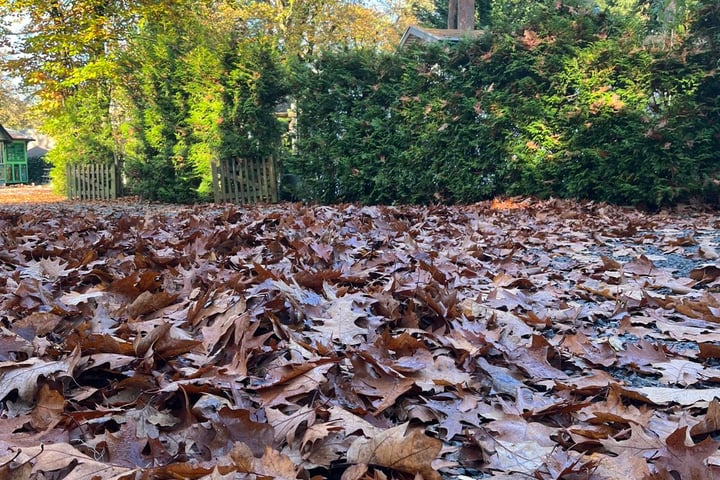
x: 23, y: 376
x: 664, y: 395
x: 400, y: 448
x: 54, y: 457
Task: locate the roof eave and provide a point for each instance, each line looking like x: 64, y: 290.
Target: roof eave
x: 413, y: 31
x: 5, y: 135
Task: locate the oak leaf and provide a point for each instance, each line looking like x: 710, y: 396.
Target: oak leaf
x: 62, y: 456
x: 400, y: 448
x: 23, y: 376
x: 685, y: 459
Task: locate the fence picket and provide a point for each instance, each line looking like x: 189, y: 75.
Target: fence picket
x: 245, y: 181
x: 92, y: 182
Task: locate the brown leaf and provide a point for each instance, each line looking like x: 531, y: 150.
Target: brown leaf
x: 514, y: 456
x: 627, y: 465
x: 609, y: 263
x: 640, y: 266
x: 680, y: 372
x: 355, y: 472
x: 682, y: 458
x: 233, y: 426
x: 613, y: 411
x: 317, y: 432
x: 592, y: 351
x: 377, y: 383
x: 271, y: 464
x: 642, y: 443
x: 565, y: 464
x: 442, y: 372
x: 40, y: 323
x: 665, y: 395
x: 144, y: 342
x: 400, y: 448
x: 48, y: 409
x: 705, y: 274
x: 338, y: 321
x: 125, y: 448
x: 9, y: 470
x: 58, y: 456
x: 352, y: 423
x: 709, y: 350
x: 24, y: 376
x: 148, y: 302
x: 285, y: 426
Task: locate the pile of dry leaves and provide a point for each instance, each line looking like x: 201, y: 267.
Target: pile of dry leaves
x: 547, y: 340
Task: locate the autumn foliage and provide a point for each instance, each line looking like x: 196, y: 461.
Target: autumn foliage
x: 550, y: 340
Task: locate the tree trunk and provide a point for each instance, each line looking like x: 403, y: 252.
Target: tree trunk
x: 452, y: 14
x: 465, y: 14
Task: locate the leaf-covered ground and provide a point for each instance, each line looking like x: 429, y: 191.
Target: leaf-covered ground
x: 547, y: 340
x: 31, y: 194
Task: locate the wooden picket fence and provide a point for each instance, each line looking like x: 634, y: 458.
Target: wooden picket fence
x: 245, y: 181
x: 92, y: 182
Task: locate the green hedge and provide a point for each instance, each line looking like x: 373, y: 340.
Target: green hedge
x: 559, y: 107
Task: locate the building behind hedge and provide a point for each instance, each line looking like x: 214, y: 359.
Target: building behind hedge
x: 13, y: 156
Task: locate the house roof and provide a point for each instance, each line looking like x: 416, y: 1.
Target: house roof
x: 18, y: 135
x: 7, y: 135
x: 415, y: 34
x: 37, y: 152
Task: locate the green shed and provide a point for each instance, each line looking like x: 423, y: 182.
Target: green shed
x: 13, y: 156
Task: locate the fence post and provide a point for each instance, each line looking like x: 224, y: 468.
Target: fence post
x: 240, y: 180
x: 215, y: 180
x: 273, y: 181
x: 69, y: 181
x: 113, y: 180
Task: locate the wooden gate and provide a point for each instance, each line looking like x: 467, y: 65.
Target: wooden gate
x: 245, y: 181
x: 92, y: 182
